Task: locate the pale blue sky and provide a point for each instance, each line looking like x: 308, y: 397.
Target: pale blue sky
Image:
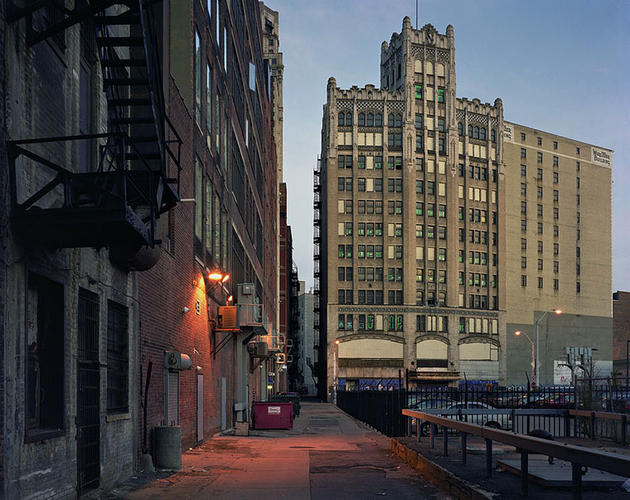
x: 561, y: 66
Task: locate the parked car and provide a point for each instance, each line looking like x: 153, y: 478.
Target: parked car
x: 497, y: 421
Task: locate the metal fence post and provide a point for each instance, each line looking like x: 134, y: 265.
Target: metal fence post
x: 576, y: 477
x: 408, y: 426
x: 624, y: 435
x: 464, y: 435
x: 433, y: 429
x: 445, y: 440
x: 592, y: 425
x: 524, y: 472
x: 488, y: 458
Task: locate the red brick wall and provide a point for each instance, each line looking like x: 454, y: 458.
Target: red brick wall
x: 173, y: 283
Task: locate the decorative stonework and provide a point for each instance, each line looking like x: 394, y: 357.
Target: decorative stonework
x: 376, y: 309
x: 479, y: 339
x: 477, y: 118
x: 417, y: 52
x: 371, y: 335
x: 443, y: 56
x: 398, y: 106
x: 430, y: 53
x: 344, y: 104
x: 432, y: 336
x: 370, y: 105
x: 460, y: 114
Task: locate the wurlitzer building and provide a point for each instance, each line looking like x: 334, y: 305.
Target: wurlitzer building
x: 441, y: 229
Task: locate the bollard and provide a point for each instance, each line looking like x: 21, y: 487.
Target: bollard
x: 524, y: 473
x: 488, y: 458
x: 576, y: 476
x: 445, y: 440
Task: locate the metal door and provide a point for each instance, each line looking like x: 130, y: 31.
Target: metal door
x: 199, y: 407
x: 88, y: 394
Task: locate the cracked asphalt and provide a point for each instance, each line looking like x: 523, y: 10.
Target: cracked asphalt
x: 327, y: 455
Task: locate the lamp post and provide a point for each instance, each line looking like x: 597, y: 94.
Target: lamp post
x: 518, y: 333
x: 335, y: 348
x: 537, y: 359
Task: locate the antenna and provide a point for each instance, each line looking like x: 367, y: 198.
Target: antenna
x: 416, y: 14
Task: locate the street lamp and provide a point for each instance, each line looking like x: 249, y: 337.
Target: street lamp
x: 518, y: 333
x: 537, y: 359
x: 335, y: 349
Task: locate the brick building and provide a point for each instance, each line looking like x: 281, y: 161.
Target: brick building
x: 441, y: 229
x: 219, y: 101
x: 85, y: 177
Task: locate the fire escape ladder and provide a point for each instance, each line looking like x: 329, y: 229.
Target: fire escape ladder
x: 136, y: 178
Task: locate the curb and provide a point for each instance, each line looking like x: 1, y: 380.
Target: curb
x: 439, y: 476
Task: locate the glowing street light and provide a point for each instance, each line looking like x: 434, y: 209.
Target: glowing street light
x: 518, y: 333
x: 557, y: 312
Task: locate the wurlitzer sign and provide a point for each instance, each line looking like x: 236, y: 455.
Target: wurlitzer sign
x: 602, y: 157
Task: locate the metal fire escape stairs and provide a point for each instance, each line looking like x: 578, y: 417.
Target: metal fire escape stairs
x: 118, y: 201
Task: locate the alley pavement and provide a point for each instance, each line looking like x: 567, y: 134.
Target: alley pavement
x: 327, y: 455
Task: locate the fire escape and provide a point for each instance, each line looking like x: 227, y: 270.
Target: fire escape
x: 117, y: 202
x: 316, y: 262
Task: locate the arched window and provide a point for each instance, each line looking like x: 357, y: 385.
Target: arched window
x: 390, y: 120
x: 378, y: 120
x: 482, y: 133
x: 341, y: 119
x: 460, y: 128
x: 493, y: 136
x: 348, y: 119
x: 399, y: 120
x: 476, y: 133
x: 370, y: 120
x: 470, y: 130
x: 361, y: 121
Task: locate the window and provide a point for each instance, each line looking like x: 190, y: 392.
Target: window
x: 482, y: 133
x: 540, y: 282
x: 539, y: 192
x: 523, y: 280
x: 197, y: 79
x: 555, y: 213
x: 523, y: 153
x: 523, y: 137
x: 539, y: 141
x: 577, y: 183
x: 539, y: 174
x: 556, y: 248
x: 555, y: 195
x: 440, y: 96
x: 577, y: 151
x: 470, y: 131
x: 361, y: 120
x: 556, y: 284
x: 555, y: 144
x: 523, y: 189
x: 540, y: 228
x: 523, y: 262
x: 555, y: 231
x: 419, y: 143
x: 523, y: 170
x: 493, y: 135
x: 418, y: 90
x: 523, y: 244
x: 539, y: 157
x: 45, y: 407
x: 555, y: 177
x: 442, y: 211
x: 540, y: 264
x: 556, y: 266
x: 539, y: 210
x: 117, y: 358
x: 523, y: 226
x: 419, y: 208
x: 378, y: 120
x: 460, y: 128
x: 540, y: 247
x: 577, y: 287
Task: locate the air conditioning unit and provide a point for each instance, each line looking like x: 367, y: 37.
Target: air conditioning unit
x: 250, y: 314
x: 227, y: 318
x: 177, y: 361
x: 259, y: 349
x: 281, y: 358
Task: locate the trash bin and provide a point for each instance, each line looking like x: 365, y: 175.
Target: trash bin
x: 294, y: 397
x: 272, y: 415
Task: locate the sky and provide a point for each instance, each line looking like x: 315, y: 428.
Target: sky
x: 560, y: 66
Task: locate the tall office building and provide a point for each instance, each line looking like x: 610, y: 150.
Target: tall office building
x: 414, y: 229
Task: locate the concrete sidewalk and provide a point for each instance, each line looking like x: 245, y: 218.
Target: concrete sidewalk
x: 327, y: 455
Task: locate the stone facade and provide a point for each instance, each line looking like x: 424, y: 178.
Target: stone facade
x: 419, y: 227
x: 559, y: 239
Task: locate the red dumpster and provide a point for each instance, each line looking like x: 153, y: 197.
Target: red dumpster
x: 269, y: 415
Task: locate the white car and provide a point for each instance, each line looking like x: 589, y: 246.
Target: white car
x: 501, y: 421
